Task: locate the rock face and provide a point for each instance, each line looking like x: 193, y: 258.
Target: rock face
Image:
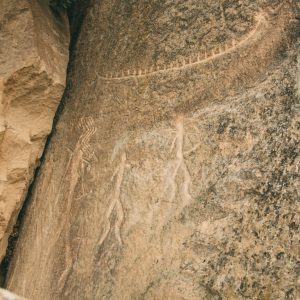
x: 174, y: 169
x: 6, y: 295
x: 33, y: 62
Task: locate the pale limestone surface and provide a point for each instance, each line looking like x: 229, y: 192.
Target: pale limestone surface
x: 172, y: 180
x: 7, y: 295
x: 33, y: 61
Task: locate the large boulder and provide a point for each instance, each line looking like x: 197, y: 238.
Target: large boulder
x: 33, y: 61
x: 173, y: 172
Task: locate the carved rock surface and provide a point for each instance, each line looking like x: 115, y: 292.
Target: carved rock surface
x: 173, y: 172
x: 33, y: 61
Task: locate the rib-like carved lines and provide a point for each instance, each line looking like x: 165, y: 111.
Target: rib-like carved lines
x: 179, y: 164
x: 115, y: 204
x: 81, y: 151
x: 194, y: 60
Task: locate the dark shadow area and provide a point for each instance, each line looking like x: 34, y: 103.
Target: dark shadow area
x: 76, y: 14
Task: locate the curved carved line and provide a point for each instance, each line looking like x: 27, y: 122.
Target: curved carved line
x: 192, y: 60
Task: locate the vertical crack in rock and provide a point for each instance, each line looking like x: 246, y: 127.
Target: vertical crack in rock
x: 33, y: 62
x: 76, y: 17
x: 220, y: 139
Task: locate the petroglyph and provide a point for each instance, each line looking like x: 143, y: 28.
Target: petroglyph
x: 82, y: 153
x: 118, y: 147
x: 89, y: 129
x: 115, y: 204
x: 179, y: 164
x: 196, y: 59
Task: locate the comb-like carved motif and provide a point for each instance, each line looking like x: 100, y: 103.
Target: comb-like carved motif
x: 82, y: 152
x: 195, y: 59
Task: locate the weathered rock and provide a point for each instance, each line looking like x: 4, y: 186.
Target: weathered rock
x: 33, y: 62
x: 6, y: 295
x: 174, y: 169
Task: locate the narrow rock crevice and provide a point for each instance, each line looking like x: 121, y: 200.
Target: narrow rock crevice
x: 76, y: 15
x: 180, y: 185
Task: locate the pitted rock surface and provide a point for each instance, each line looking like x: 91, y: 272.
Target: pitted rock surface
x: 174, y: 169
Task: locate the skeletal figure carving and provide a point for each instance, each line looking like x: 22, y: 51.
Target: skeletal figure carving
x: 82, y: 153
x: 115, y: 204
x: 180, y: 163
x: 183, y: 63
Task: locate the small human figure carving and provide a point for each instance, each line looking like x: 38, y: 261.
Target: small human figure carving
x: 179, y: 164
x: 82, y: 153
x: 115, y: 204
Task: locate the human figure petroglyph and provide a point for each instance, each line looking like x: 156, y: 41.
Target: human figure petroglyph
x: 82, y: 153
x: 115, y: 204
x: 179, y: 163
x: 195, y: 59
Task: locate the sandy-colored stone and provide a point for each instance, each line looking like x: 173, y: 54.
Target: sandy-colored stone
x: 33, y: 62
x: 6, y: 295
x: 173, y: 172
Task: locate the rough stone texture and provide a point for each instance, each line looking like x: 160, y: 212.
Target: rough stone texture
x: 33, y: 62
x: 174, y: 169
x: 6, y: 295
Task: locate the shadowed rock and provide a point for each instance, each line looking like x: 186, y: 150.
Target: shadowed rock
x: 33, y: 62
x: 177, y: 183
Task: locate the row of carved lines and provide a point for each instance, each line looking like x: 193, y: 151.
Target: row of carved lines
x: 178, y: 64
x: 185, y: 62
